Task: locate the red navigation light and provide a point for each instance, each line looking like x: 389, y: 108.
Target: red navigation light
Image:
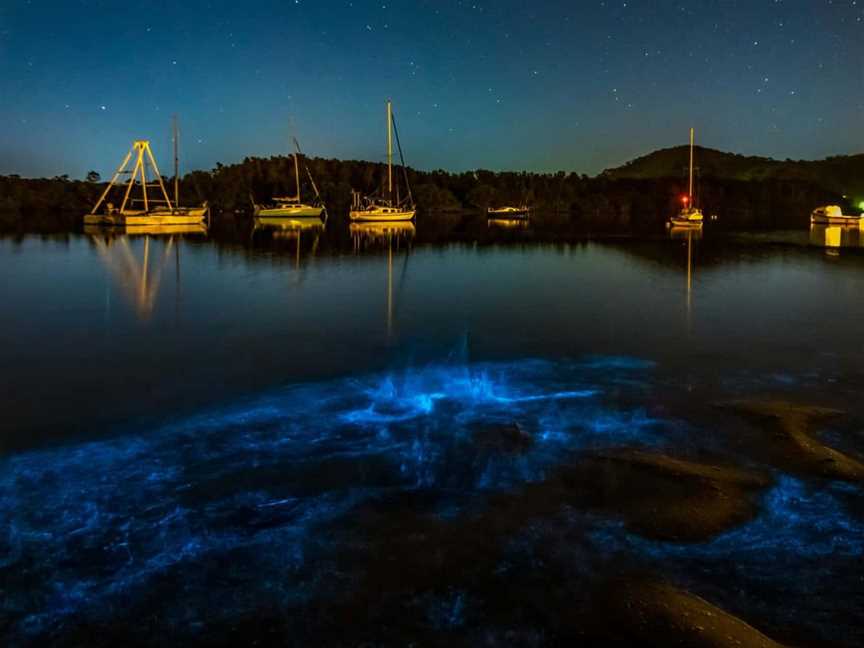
x: 685, y: 199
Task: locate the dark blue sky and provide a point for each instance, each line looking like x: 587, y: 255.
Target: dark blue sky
x: 542, y: 86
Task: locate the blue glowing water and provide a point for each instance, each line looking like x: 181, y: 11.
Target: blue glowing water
x: 93, y: 522
x: 240, y: 499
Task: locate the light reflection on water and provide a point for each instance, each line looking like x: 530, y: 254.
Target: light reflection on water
x: 834, y: 237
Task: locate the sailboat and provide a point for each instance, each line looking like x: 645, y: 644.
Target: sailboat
x: 146, y: 209
x: 386, y: 208
x: 286, y: 209
x: 176, y: 209
x: 690, y: 215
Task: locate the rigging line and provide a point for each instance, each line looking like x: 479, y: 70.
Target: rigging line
x: 307, y: 170
x: 402, y: 158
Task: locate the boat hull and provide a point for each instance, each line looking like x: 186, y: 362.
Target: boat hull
x: 691, y: 218
x: 190, y: 216
x: 290, y: 211
x: 823, y: 219
x: 685, y: 223
x: 505, y: 214
x: 381, y: 215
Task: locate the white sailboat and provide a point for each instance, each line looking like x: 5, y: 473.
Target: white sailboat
x: 289, y: 208
x: 388, y: 207
x: 690, y: 215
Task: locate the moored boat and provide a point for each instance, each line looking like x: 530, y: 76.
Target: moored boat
x: 292, y: 207
x: 389, y: 207
x: 690, y: 216
x: 508, y: 212
x: 145, y: 210
x: 833, y: 215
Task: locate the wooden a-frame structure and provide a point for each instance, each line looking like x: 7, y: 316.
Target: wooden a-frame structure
x: 138, y: 176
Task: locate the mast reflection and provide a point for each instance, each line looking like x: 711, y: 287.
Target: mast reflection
x: 291, y: 229
x: 688, y: 234
x: 140, y: 279
x: 394, y: 235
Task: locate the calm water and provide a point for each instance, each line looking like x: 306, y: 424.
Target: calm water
x: 197, y: 433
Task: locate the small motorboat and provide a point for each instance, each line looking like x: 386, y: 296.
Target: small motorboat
x: 508, y: 212
x: 833, y: 215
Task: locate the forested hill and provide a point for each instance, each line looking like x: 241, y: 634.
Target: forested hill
x: 843, y: 174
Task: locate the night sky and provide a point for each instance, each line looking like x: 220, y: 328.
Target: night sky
x: 540, y: 86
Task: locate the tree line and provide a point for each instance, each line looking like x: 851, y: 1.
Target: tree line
x: 613, y: 203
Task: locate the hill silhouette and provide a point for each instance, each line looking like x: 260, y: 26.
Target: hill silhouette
x: 842, y: 174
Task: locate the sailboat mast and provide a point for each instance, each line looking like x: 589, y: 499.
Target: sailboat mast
x: 690, y: 190
x: 389, y: 150
x: 297, y: 175
x: 176, y: 165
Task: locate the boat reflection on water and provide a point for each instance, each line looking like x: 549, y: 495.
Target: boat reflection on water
x: 371, y: 235
x: 395, y: 236
x: 685, y: 233
x: 499, y: 222
x: 288, y: 224
x: 834, y: 237
x: 688, y: 234
x: 297, y: 229
x: 141, y: 278
x: 111, y: 232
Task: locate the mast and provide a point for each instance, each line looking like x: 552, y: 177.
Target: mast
x: 297, y: 175
x: 690, y: 190
x: 389, y: 150
x: 176, y: 165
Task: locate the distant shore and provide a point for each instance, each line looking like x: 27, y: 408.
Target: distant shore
x: 625, y: 199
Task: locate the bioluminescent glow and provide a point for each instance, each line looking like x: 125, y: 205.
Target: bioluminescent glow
x: 797, y: 521
x: 257, y: 497
x: 98, y: 520
x: 803, y: 530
